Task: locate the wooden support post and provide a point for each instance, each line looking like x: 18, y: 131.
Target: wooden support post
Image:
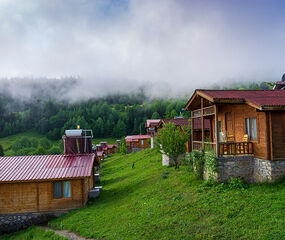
x: 38, y: 197
x: 192, y: 131
x: 202, y: 120
x: 217, y: 131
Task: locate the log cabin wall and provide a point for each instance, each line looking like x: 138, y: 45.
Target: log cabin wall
x: 278, y: 135
x: 232, y: 117
x: 138, y: 144
x: 38, y: 196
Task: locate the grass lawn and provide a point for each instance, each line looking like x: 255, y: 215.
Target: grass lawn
x: 150, y: 201
x: 34, y: 233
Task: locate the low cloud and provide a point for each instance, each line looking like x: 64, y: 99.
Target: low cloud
x: 168, y: 47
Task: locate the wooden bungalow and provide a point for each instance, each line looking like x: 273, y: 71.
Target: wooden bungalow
x: 45, y: 183
x: 243, y: 123
x: 100, y: 154
x: 184, y: 122
x: 151, y: 126
x: 137, y: 143
x: 111, y: 148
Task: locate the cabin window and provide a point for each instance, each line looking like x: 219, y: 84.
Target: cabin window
x: 61, y: 189
x: 142, y: 142
x: 251, y: 128
x: 57, y: 189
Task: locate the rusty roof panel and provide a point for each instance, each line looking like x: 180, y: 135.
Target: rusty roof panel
x: 43, y: 167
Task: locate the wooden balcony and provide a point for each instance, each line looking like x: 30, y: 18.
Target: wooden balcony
x: 226, y: 148
x: 207, y: 111
x: 197, y: 145
x: 235, y: 148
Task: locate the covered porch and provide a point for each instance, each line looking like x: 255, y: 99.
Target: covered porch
x: 223, y: 142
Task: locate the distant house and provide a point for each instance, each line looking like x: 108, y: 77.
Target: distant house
x: 104, y: 147
x: 151, y: 126
x: 137, y: 143
x: 99, y: 152
x: 247, y: 131
x: 111, y: 148
x: 184, y: 122
x: 48, y: 183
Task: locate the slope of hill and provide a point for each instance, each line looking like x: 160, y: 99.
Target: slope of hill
x: 149, y: 201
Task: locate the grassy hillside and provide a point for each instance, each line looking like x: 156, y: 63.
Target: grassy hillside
x: 34, y: 233
x: 154, y: 202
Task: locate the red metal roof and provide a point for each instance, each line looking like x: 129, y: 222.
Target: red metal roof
x: 178, y: 121
x: 112, y: 146
x: 153, y: 122
x: 99, y: 153
x: 45, y: 167
x: 258, y: 97
x: 136, y: 138
x: 186, y: 121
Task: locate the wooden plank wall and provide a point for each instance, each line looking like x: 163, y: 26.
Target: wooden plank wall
x: 38, y: 196
x: 138, y: 144
x: 239, y: 113
x: 278, y: 134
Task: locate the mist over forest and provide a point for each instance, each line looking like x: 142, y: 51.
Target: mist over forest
x: 51, y: 105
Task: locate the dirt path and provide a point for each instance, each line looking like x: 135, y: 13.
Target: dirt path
x: 65, y: 233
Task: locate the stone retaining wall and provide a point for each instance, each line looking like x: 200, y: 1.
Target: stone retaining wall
x: 265, y: 170
x: 249, y: 168
x: 167, y: 161
x: 14, y: 222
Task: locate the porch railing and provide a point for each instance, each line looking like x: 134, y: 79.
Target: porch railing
x: 235, y: 148
x: 207, y: 111
x: 197, y: 145
x: 226, y: 149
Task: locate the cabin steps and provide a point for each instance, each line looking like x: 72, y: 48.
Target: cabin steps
x: 97, y: 177
x: 95, y: 192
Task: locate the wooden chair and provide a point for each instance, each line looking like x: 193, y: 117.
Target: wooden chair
x: 244, y: 144
x: 230, y: 148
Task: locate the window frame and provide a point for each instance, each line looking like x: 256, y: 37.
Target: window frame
x: 61, y: 189
x: 248, y: 129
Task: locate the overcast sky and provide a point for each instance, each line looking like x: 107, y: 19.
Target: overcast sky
x: 169, y: 46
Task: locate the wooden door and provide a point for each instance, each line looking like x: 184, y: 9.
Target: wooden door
x: 229, y: 124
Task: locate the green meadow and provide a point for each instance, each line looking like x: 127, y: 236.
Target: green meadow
x: 141, y: 199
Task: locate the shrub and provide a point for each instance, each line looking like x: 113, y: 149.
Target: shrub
x: 1, y: 151
x: 237, y: 183
x: 198, y: 163
x: 197, y: 160
x: 45, y: 143
x: 54, y: 150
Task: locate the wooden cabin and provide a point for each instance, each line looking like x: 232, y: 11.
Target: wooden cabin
x: 185, y: 122
x: 111, y: 148
x: 151, y: 126
x: 45, y: 183
x: 242, y: 122
x: 137, y: 143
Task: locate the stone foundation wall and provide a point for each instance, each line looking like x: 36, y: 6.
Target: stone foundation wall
x: 249, y: 168
x: 14, y: 222
x: 235, y: 166
x: 167, y: 161
x: 266, y: 170
x: 152, y: 145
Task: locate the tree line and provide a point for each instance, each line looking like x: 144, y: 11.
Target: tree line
x: 107, y: 117
x: 114, y: 116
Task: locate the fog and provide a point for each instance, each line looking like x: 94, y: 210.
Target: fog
x: 168, y: 47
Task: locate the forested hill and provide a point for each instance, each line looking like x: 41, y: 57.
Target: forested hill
x: 111, y: 116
